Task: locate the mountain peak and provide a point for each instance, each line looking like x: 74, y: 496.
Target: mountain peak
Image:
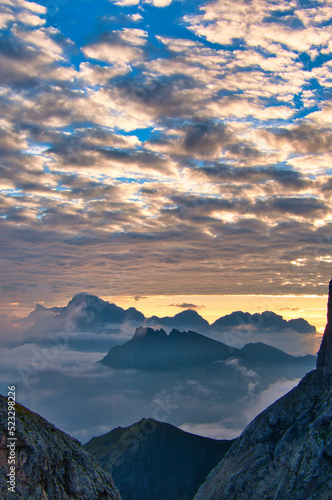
x: 147, y: 332
x: 166, y: 462
x: 324, y: 359
x: 86, y: 299
x: 188, y: 313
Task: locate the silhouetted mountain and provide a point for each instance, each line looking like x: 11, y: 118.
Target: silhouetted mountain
x: 155, y: 350
x: 267, y: 320
x: 49, y: 463
x: 184, y: 320
x: 151, y: 460
x: 88, y: 313
x: 40, y: 309
x: 286, y: 452
x: 85, y: 313
x: 301, y: 326
x: 258, y: 352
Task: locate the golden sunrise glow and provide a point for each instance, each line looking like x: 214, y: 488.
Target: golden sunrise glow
x: 211, y: 307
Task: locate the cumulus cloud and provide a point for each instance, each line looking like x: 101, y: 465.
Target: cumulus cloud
x: 303, y: 138
x: 118, y: 47
x: 260, y: 23
x: 21, y: 11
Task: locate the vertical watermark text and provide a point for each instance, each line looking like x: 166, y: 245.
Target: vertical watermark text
x: 11, y: 438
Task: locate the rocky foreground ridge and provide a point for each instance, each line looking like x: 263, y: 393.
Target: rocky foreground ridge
x: 50, y: 464
x: 152, y: 460
x: 286, y: 452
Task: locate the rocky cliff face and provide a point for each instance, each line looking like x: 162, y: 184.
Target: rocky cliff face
x: 151, y: 460
x: 50, y: 464
x: 324, y: 359
x: 286, y: 452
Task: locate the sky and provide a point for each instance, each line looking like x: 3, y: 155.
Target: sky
x: 163, y: 148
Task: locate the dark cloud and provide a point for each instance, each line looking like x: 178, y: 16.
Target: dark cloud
x: 224, y: 173
x: 139, y: 297
x: 327, y: 186
x: 204, y: 138
x: 306, y: 206
x: 202, y: 204
x: 305, y: 138
x: 186, y: 305
x: 163, y: 95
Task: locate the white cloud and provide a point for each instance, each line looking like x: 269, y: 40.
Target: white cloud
x: 236, y: 363
x: 112, y: 53
x: 125, y: 3
x: 121, y: 47
x: 159, y: 3
x: 30, y: 19
x: 223, y: 21
x: 269, y: 396
x: 130, y: 3
x: 21, y: 11
x: 214, y: 430
x: 5, y: 18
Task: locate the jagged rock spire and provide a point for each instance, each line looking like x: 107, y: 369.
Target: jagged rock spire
x: 324, y: 359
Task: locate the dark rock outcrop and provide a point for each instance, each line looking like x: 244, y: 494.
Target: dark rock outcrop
x: 151, y: 460
x: 50, y: 464
x: 286, y: 452
x: 324, y: 359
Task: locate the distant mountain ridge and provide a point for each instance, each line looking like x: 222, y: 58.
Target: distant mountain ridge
x: 153, y: 460
x: 90, y: 313
x: 185, y: 319
x: 266, y: 320
x: 155, y: 350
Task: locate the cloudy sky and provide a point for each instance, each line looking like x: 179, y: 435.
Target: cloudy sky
x: 157, y: 148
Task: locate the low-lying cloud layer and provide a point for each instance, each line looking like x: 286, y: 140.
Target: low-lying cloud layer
x: 66, y: 387
x: 52, y: 357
